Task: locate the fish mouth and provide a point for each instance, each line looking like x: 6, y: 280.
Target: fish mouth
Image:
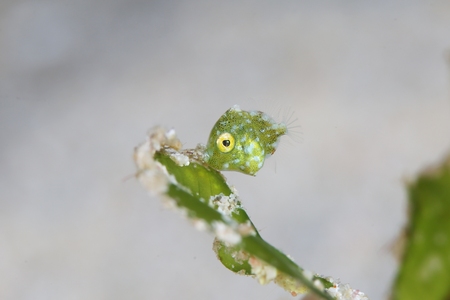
x: 207, y: 155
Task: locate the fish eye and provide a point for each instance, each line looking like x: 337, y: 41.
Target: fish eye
x: 225, y: 142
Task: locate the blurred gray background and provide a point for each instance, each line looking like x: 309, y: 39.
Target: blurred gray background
x: 82, y: 81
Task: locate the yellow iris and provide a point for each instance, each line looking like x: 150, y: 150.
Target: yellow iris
x: 225, y: 142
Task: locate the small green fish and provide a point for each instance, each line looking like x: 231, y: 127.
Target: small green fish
x: 241, y: 140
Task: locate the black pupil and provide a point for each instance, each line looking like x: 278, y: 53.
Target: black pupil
x: 226, y: 143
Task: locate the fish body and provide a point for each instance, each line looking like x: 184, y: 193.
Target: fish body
x: 241, y: 140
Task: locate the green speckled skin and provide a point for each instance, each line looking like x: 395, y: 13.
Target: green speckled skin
x: 256, y: 137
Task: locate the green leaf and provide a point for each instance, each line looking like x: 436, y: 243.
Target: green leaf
x: 202, y: 181
x: 425, y: 268
x: 206, y: 198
